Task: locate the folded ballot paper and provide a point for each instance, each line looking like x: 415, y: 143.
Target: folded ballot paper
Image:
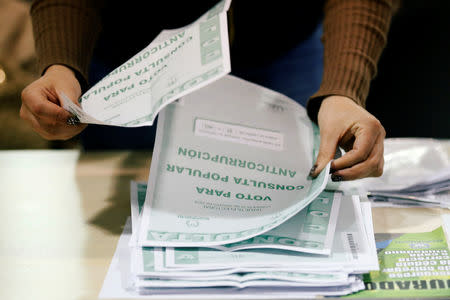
x: 230, y: 211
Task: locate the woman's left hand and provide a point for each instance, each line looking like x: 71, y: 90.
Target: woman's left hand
x: 344, y: 123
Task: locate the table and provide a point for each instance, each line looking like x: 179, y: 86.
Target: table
x: 61, y: 216
x: 62, y: 212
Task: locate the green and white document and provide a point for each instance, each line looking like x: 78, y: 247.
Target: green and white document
x: 353, y: 251
x: 176, y: 63
x: 243, y: 280
x: 230, y: 163
x: 149, y: 262
x: 310, y: 230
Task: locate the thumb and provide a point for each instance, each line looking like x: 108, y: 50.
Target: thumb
x: 327, y: 150
x: 68, y: 95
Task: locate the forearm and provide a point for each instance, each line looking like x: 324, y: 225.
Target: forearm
x: 65, y: 32
x: 354, y: 36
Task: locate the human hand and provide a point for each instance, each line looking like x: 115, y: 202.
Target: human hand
x: 344, y: 123
x: 41, y: 106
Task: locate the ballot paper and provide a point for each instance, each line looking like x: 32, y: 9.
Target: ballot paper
x: 176, y: 63
x: 351, y: 251
x: 310, y: 230
x: 230, y: 162
x: 266, y: 279
x: 151, y: 263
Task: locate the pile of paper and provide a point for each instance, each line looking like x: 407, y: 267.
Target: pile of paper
x: 346, y: 236
x: 416, y: 173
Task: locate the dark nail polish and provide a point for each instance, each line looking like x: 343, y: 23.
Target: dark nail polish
x: 338, y: 153
x: 336, y: 178
x: 73, y: 120
x: 311, y: 172
x: 69, y: 121
x: 332, y: 170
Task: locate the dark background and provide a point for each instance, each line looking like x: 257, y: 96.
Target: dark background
x: 411, y: 93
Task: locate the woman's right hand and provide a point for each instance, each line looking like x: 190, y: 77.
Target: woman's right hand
x: 41, y: 106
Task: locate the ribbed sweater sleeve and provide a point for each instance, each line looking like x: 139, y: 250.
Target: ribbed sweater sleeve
x: 354, y: 36
x: 65, y: 32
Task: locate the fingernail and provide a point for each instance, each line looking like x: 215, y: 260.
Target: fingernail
x: 336, y: 178
x: 332, y: 170
x: 338, y: 153
x: 311, y: 172
x: 73, y: 120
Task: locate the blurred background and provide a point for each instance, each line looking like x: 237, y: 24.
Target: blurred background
x: 17, y: 70
x: 410, y: 95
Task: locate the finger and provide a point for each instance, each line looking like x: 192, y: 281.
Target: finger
x: 41, y: 107
x: 362, y: 147
x: 327, y: 150
x: 371, y: 167
x: 60, y: 131
x: 48, y: 129
x: 26, y: 115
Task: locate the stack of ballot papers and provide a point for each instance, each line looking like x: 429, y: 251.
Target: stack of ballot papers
x: 347, y: 235
x: 229, y: 209
x: 416, y: 173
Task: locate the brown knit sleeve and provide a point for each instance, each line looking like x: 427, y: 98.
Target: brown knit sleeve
x: 65, y: 32
x: 354, y: 35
